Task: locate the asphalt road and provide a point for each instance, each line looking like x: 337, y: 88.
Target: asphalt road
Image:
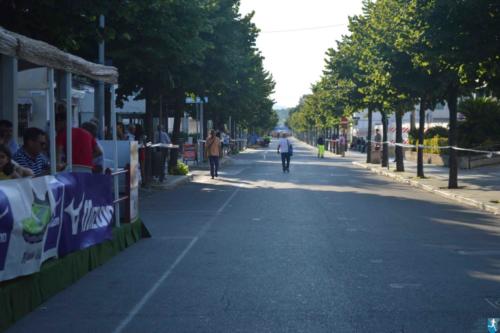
x: 325, y: 248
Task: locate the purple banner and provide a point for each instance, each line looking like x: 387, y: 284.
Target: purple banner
x: 6, y: 225
x: 88, y: 211
x: 49, y: 216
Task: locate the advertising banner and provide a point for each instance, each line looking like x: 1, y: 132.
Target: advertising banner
x: 88, y: 211
x: 45, y: 217
x: 189, y: 152
x: 29, y: 223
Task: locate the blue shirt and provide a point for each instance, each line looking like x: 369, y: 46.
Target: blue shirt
x: 38, y: 165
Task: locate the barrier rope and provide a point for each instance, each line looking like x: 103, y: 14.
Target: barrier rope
x: 405, y: 145
x: 486, y: 152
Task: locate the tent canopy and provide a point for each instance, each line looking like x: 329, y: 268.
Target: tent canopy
x: 43, y: 54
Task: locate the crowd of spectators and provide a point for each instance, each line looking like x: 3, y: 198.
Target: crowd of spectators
x: 32, y: 159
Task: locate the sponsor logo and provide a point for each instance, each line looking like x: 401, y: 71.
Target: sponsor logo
x: 6, y: 211
x: 28, y: 256
x: 493, y: 325
x: 88, y: 216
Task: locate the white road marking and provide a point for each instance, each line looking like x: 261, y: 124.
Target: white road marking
x: 493, y: 303
x: 479, y: 252
x: 135, y: 310
x: 405, y: 285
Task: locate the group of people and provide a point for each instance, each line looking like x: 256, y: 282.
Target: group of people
x: 135, y: 132
x: 32, y: 159
x: 285, y: 149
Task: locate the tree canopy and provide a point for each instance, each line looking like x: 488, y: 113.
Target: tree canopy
x: 162, y: 48
x: 400, y: 52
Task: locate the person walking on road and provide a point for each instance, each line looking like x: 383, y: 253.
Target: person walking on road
x: 321, y: 147
x: 284, y: 150
x: 342, y: 144
x: 212, y: 146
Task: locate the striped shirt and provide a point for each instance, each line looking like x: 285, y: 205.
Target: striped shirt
x: 38, y: 165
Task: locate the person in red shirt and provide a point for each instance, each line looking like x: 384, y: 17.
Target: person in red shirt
x: 85, y: 148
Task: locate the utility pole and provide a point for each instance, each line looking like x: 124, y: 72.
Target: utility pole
x: 99, y: 87
x: 202, y: 120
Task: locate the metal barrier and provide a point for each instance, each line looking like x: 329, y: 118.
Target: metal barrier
x: 237, y: 145
x: 153, y: 159
x: 126, y: 194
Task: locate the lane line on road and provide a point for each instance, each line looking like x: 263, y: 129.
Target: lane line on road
x: 135, y: 310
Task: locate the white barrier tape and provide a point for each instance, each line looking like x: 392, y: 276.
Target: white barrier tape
x: 404, y: 145
x: 478, y: 151
x: 487, y: 152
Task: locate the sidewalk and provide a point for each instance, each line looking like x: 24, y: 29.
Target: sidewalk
x: 479, y: 187
x: 172, y: 181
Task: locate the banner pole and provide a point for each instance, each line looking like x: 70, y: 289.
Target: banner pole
x: 52, y: 122
x: 115, y: 155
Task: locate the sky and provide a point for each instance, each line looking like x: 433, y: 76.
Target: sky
x: 295, y: 34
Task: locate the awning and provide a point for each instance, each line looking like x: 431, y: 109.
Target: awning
x: 43, y: 54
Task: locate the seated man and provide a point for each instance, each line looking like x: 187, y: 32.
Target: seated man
x: 30, y: 154
x: 84, y: 145
x: 98, y: 161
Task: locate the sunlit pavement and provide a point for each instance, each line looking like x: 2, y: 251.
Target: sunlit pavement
x: 326, y: 248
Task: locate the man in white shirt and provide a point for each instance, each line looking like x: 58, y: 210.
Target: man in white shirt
x: 283, y: 149
x: 161, y: 136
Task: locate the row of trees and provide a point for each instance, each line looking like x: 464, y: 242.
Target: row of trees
x: 401, y: 53
x: 165, y: 50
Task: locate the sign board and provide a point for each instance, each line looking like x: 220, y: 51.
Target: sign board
x: 189, y: 152
x: 197, y: 100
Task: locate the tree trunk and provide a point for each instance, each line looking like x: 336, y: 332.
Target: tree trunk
x: 369, y: 137
x: 178, y: 107
x: 413, y: 124
x: 385, y: 149
x: 107, y: 113
x: 399, y: 140
x: 148, y: 121
x: 451, y: 99
x: 421, y: 128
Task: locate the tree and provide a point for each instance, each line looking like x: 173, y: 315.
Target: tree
x: 448, y: 48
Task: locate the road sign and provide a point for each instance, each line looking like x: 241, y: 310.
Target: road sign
x: 197, y: 100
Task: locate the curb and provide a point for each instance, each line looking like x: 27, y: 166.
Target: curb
x: 446, y: 194
x: 174, y: 183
